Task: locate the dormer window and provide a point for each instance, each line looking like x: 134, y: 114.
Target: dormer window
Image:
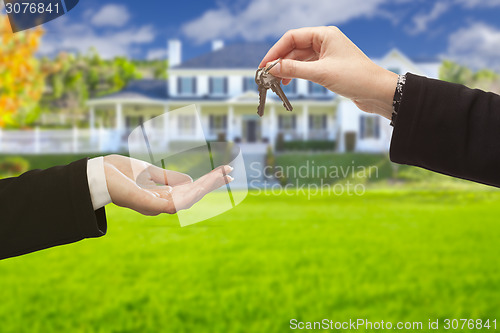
x: 317, y: 89
x: 186, y: 85
x: 218, y: 86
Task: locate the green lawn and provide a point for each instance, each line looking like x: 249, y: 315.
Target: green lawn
x: 388, y: 255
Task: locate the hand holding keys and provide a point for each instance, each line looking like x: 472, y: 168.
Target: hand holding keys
x: 266, y: 80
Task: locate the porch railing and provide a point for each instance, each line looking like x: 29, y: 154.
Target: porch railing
x: 74, y: 140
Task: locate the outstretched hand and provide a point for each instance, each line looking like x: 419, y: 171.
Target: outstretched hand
x: 151, y: 190
x: 326, y: 56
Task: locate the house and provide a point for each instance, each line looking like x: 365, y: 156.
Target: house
x: 222, y: 85
x: 363, y: 132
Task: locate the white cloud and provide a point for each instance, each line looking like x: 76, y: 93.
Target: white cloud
x: 111, y: 15
x: 477, y: 46
x: 421, y: 21
x: 64, y: 35
x: 479, y: 3
x: 263, y: 18
x: 157, y: 54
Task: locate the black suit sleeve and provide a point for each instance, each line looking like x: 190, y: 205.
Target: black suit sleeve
x: 448, y: 128
x: 44, y: 208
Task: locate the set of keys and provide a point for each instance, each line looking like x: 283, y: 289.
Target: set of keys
x: 266, y: 80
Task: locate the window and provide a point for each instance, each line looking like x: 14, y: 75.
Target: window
x: 286, y: 123
x: 317, y: 89
x: 249, y: 84
x: 317, y: 122
x: 187, y: 125
x: 218, y: 123
x: 186, y: 85
x: 369, y: 127
x: 218, y: 86
x: 291, y: 88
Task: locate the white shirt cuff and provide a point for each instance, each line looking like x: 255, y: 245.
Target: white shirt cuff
x: 97, y: 183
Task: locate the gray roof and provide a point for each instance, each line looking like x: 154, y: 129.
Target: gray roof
x: 244, y: 55
x: 142, y: 89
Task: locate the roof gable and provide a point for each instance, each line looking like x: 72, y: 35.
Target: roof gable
x: 244, y: 55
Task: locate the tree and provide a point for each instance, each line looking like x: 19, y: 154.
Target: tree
x: 83, y: 76
x: 484, y: 79
x: 21, y: 80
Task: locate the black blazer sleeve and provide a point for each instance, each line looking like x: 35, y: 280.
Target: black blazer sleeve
x: 448, y: 128
x: 44, y: 208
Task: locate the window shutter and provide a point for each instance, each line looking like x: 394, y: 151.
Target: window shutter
x: 179, y: 85
x: 225, y: 86
x: 211, y: 121
x: 377, y: 127
x: 324, y: 122
x: 361, y: 127
x: 293, y: 122
x: 211, y: 85
x: 224, y: 122
x: 194, y: 86
x: 245, y: 83
x: 280, y: 122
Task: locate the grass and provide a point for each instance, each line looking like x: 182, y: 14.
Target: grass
x: 389, y: 255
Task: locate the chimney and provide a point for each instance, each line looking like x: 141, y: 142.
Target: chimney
x: 174, y: 52
x: 217, y: 44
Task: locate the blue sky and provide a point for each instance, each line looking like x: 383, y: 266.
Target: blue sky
x: 465, y: 30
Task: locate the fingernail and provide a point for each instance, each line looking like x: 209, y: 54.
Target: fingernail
x: 276, y: 70
x: 229, y: 178
x: 228, y: 168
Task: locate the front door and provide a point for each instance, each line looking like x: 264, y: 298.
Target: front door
x: 251, y: 130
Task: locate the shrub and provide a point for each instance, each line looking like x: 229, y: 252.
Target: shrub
x: 317, y: 145
x: 280, y: 142
x: 13, y: 166
x: 350, y: 141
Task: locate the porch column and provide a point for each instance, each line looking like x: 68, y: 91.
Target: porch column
x: 305, y: 122
x: 37, y: 139
x: 75, y: 139
x: 199, y: 124
x: 91, y: 118
x: 166, y: 122
x: 230, y: 120
x: 273, y: 126
x: 119, y: 117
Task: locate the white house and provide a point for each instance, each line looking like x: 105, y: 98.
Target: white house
x: 221, y: 84
x: 365, y: 132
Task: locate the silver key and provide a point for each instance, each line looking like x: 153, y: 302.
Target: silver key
x: 266, y: 80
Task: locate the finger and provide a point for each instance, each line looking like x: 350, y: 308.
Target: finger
x: 168, y: 177
x: 302, y: 55
x: 215, y: 178
x: 303, y: 38
x: 185, y: 196
x: 290, y: 69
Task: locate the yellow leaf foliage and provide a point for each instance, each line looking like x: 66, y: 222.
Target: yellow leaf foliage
x: 21, y: 80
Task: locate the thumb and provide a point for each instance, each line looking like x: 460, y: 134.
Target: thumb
x: 290, y: 69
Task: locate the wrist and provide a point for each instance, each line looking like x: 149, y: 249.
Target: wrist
x: 386, y: 84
